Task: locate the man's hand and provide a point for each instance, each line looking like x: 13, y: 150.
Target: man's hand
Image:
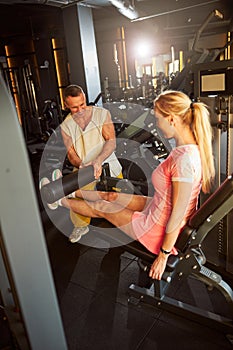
x: 97, y: 167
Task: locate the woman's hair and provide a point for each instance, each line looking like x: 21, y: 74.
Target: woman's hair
x: 196, y: 115
x: 73, y: 90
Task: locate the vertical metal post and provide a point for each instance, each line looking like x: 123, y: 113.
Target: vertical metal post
x: 23, y: 237
x: 81, y: 49
x: 89, y: 52
x: 229, y: 219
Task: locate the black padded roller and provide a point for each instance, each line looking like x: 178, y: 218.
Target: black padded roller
x: 67, y: 184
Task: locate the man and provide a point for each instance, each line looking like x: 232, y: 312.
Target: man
x: 89, y: 137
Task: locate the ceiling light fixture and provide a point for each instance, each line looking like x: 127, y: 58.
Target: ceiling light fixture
x: 125, y: 8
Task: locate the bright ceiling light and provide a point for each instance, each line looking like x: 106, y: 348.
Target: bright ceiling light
x: 143, y: 49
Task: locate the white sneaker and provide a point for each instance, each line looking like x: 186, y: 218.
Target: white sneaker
x: 77, y: 233
x: 56, y: 174
x: 45, y: 181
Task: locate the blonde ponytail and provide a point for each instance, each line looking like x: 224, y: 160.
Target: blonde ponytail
x: 196, y: 116
x: 202, y: 131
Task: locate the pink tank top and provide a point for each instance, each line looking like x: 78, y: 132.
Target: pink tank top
x: 183, y: 164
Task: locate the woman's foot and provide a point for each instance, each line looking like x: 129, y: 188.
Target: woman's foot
x: 45, y: 181
x: 56, y: 174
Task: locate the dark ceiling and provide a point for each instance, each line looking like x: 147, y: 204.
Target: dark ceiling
x: 172, y: 18
x: 164, y: 19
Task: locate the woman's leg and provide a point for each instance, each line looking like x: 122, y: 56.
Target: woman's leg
x: 127, y: 200
x: 116, y: 214
x: 92, y: 195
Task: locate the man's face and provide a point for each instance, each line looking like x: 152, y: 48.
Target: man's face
x: 76, y: 104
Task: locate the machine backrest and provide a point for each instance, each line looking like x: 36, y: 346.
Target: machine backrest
x: 222, y: 193
x: 207, y: 209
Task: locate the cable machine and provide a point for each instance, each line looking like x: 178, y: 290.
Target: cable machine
x: 213, y: 86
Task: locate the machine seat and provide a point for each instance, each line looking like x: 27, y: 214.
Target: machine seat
x: 185, y: 239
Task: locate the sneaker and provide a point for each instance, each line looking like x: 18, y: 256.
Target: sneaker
x: 45, y: 181
x: 77, y: 233
x: 56, y: 174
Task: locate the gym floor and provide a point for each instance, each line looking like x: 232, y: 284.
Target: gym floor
x: 92, y: 289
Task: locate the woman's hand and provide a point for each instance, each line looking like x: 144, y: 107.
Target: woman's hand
x: 158, y: 267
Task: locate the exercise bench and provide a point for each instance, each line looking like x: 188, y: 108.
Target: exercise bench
x: 189, y: 262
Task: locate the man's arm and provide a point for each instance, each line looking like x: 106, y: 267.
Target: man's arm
x: 71, y: 153
x: 108, y: 133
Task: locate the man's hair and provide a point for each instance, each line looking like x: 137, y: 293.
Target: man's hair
x: 73, y: 90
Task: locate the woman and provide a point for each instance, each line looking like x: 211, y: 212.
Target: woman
x: 156, y: 222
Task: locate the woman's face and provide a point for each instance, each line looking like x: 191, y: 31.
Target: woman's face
x: 164, y: 124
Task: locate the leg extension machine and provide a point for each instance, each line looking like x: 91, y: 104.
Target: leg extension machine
x: 190, y: 260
